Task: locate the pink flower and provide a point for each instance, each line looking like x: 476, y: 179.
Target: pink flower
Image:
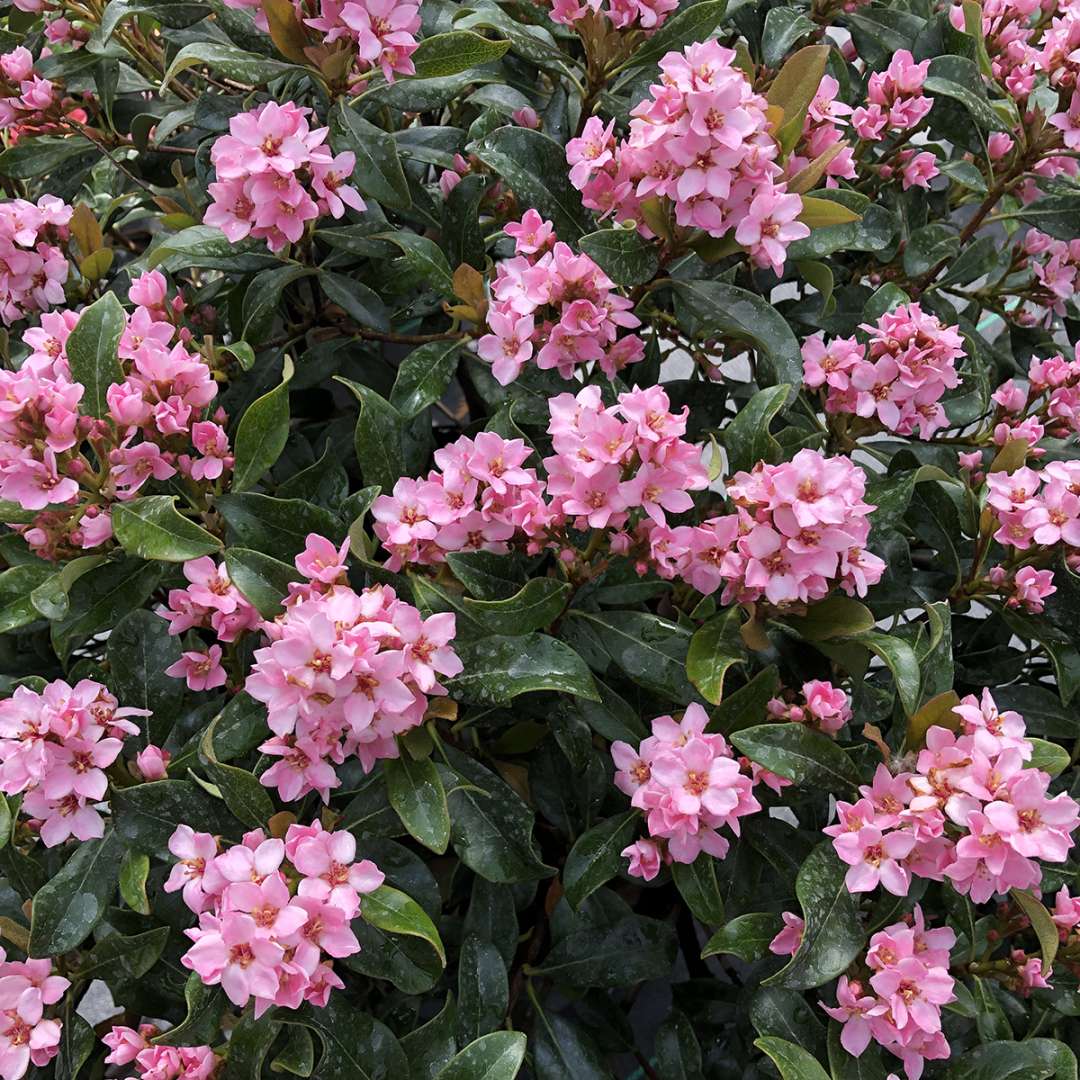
x: 202, y: 670
x: 787, y: 942
x: 152, y: 763
x: 645, y: 859
x: 875, y: 857
x: 919, y: 170
x: 770, y: 226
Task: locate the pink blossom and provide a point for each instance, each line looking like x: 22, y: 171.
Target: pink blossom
x: 201, y: 670
x: 787, y: 942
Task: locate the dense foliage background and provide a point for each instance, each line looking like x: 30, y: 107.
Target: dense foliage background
x: 485, y: 485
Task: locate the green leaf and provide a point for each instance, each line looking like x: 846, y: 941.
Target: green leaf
x: 73, y: 901
x: 1033, y: 1059
x: 363, y: 305
x: 432, y: 1045
x: 490, y: 826
x: 207, y: 248
x: 1056, y: 215
x: 497, y: 1056
x: 152, y: 528
x: 649, y: 650
x: 134, y: 871
x: 697, y: 885
x: 458, y: 50
x: 487, y: 576
x: 801, y: 755
x: 204, y: 1008
x: 378, y: 171
x: 483, y: 989
x: 793, y: 1061
x: 746, y: 937
x: 785, y: 1014
x: 393, y: 911
x: 596, y: 856
x: 146, y: 815
x: 1048, y: 756
x: 423, y: 376
x: 261, y: 302
x: 241, y: 790
x: 499, y: 668
x: 275, y: 526
x: 714, y: 648
x: 622, y: 254
x: 562, y: 1048
x: 784, y: 26
x: 697, y: 22
x: 424, y: 257
x: 263, y: 580
x: 119, y: 959
x: 262, y: 433
x: 625, y: 951
x: 720, y: 310
x: 92, y: 352
x: 416, y: 793
x: 536, y: 606
x: 1045, y: 928
x: 100, y: 599
x: 380, y: 437
x: 355, y: 1045
x: 900, y: 659
x: 139, y: 650
x: 959, y: 78
x: 77, y: 1042
x: 534, y: 166
x: 229, y: 61
x: 833, y: 935
x: 297, y: 1056
x: 31, y: 158
x: 835, y: 616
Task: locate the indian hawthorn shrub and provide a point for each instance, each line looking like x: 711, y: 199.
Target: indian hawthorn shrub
x: 539, y: 538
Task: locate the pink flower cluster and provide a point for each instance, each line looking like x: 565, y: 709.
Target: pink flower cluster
x: 54, y: 749
x: 1008, y: 30
x: 1058, y: 57
x: 1027, y: 588
x: 258, y: 937
x: 153, y: 420
x: 1049, y: 406
x: 1056, y: 265
x: 1036, y: 508
x: 901, y: 1007
x: 976, y: 782
x: 384, y: 32
x: 688, y: 784
x: 895, y: 97
x: 824, y: 707
x: 24, y: 96
x: 210, y: 602
x: 625, y: 14
x: 128, y: 1046
x: 274, y: 175
x: 555, y: 307
x: 344, y: 674
x: 701, y: 140
x: 608, y: 463
x: 27, y: 1037
x: 33, y: 267
x: 897, y: 378
x: 825, y: 118
x: 801, y: 529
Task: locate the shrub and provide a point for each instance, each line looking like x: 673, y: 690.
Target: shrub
x: 539, y: 539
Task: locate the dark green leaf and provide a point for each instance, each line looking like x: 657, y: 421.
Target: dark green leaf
x: 262, y: 433
x: 152, y: 528
x: 597, y: 857
x: 801, y: 755
x: 73, y: 901
x: 91, y: 352
x: 416, y: 794
x: 499, y: 668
